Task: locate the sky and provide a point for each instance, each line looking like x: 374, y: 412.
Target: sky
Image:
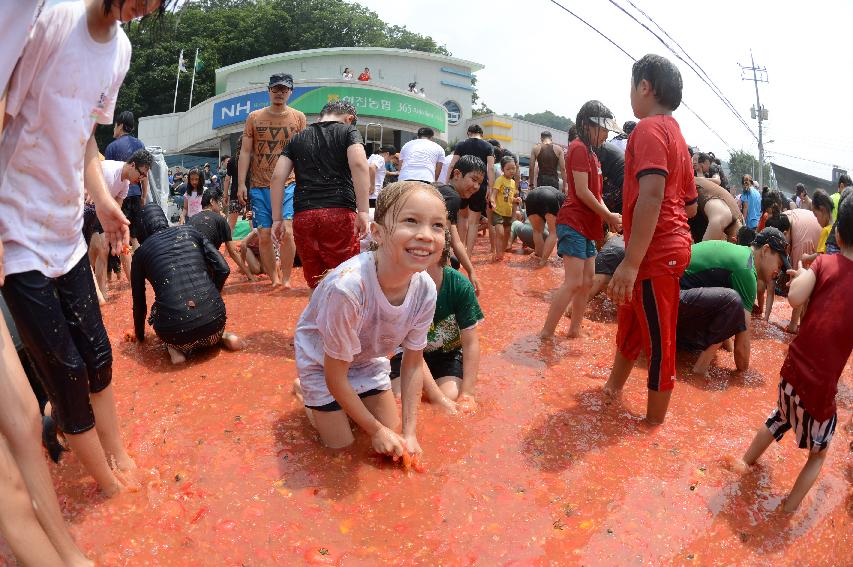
x: 538, y: 57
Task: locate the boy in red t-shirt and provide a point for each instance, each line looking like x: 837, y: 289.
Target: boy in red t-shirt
x: 579, y: 222
x: 659, y: 194
x: 816, y: 358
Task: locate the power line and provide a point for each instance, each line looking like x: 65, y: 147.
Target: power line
x: 711, y: 85
x: 620, y: 48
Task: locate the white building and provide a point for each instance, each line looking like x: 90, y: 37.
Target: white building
x: 518, y: 136
x: 388, y: 112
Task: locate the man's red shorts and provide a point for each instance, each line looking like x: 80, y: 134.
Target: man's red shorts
x: 324, y: 239
x: 648, y: 323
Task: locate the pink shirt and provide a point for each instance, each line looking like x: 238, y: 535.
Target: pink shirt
x: 805, y: 233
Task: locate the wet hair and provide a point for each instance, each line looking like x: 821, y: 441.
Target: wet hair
x: 467, y: 164
x: 141, y: 157
x: 393, y: 198
x: 821, y: 200
x: 663, y: 77
x: 590, y: 109
x: 426, y: 132
x: 628, y: 127
x: 771, y: 202
x: 800, y: 189
x: 573, y: 133
x: 164, y: 4
x: 448, y: 246
x: 494, y: 142
x: 845, y: 220
x: 845, y: 179
x: 223, y: 158
x: 200, y: 188
x: 475, y: 129
x: 546, y: 135
x: 339, y: 107
x: 506, y: 160
x: 780, y: 221
x: 210, y: 195
x: 127, y: 121
x: 387, y: 149
x: 703, y: 157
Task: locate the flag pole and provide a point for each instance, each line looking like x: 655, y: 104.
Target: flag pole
x: 192, y: 84
x: 178, y: 80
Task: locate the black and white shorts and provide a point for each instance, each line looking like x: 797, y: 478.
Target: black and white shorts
x: 789, y: 414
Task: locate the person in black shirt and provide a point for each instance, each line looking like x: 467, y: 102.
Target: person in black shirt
x: 330, y: 203
x: 464, y: 180
x: 474, y: 206
x: 214, y: 227
x: 612, y: 160
x: 187, y: 274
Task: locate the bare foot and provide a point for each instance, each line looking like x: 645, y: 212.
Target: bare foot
x: 286, y: 284
x: 573, y: 333
x: 543, y: 262
x: 176, y: 356
x: 127, y: 473
x: 613, y: 394
x: 701, y: 369
x: 793, y: 329
x: 232, y: 342
x: 546, y: 336
x: 297, y: 391
x: 735, y: 464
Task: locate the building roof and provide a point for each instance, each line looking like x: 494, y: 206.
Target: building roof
x: 223, y: 72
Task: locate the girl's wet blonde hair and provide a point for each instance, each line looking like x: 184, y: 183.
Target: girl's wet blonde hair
x: 393, y: 198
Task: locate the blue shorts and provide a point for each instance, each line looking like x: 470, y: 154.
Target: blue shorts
x: 262, y: 206
x: 572, y: 243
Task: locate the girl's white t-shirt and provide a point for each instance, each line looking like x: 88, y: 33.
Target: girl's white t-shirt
x: 64, y: 83
x: 112, y: 176
x: 15, y: 26
x: 193, y: 203
x: 349, y: 318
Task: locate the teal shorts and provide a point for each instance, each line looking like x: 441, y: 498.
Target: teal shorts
x: 498, y: 219
x: 572, y: 243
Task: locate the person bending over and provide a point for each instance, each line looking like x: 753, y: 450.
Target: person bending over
x: 542, y: 206
x: 215, y: 228
x: 187, y: 274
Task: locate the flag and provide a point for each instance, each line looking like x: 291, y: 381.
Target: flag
x: 182, y: 67
x: 199, y: 65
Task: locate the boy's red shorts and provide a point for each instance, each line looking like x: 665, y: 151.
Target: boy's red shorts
x: 325, y: 238
x: 648, y: 322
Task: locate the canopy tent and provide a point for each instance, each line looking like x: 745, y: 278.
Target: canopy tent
x: 787, y: 179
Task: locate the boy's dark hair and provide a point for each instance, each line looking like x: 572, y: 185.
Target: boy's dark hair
x: 703, y: 157
x: 141, y: 157
x: 799, y: 189
x: 820, y: 199
x: 772, y: 202
x: 164, y: 4
x: 210, y: 195
x: 845, y: 220
x: 426, y: 132
x: 475, y: 129
x: 845, y: 179
x: 573, y: 133
x: 779, y: 221
x: 546, y: 135
x: 505, y: 160
x: 339, y: 107
x: 223, y: 158
x: 469, y: 163
x: 663, y: 76
x: 387, y: 149
x: 628, y: 127
x: 127, y: 121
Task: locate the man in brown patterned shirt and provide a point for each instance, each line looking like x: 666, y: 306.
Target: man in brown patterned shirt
x: 266, y: 133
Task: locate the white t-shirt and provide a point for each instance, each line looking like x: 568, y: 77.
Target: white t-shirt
x: 15, y: 26
x: 379, y: 162
x: 419, y: 159
x: 193, y: 201
x: 445, y: 169
x: 117, y: 187
x: 64, y: 84
x: 350, y: 319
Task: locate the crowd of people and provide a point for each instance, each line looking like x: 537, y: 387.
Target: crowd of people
x: 687, y: 262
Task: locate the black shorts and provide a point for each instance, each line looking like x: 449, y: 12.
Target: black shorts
x: 335, y: 406
x: 60, y: 323
x: 477, y: 201
x: 544, y: 200
x: 91, y: 224
x: 610, y: 256
x: 440, y: 363
x: 544, y: 180
x: 707, y: 316
x: 131, y: 207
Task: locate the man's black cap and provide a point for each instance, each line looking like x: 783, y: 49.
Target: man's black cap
x: 281, y: 79
x: 774, y: 238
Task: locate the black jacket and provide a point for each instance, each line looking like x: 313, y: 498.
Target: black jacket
x: 187, y: 274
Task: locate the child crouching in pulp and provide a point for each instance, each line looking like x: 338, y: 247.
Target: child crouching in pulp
x: 449, y: 378
x: 364, y: 309
x: 815, y: 360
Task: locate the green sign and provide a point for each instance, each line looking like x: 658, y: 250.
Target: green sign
x: 372, y: 102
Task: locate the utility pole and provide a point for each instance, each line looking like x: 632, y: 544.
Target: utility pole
x: 759, y: 75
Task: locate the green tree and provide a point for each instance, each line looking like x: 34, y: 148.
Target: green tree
x: 549, y: 119
x: 230, y: 31
x: 741, y: 163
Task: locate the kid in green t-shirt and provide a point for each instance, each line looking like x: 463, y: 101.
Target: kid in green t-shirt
x: 449, y: 378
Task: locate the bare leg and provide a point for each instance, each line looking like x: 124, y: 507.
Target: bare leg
x: 104, y: 406
x: 267, y: 255
x: 551, y: 241
x: 450, y: 386
x: 100, y: 296
x: 618, y: 376
x: 581, y: 298
x: 288, y: 253
x: 657, y: 406
x: 252, y: 262
x: 87, y: 447
x: 232, y: 220
x: 573, y: 280
x: 805, y: 480
x: 18, y: 522
x: 20, y: 424
x: 703, y: 363
x: 473, y: 227
x: 124, y: 259
x: 498, y: 242
x: 176, y: 356
x: 763, y: 439
x: 98, y: 253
